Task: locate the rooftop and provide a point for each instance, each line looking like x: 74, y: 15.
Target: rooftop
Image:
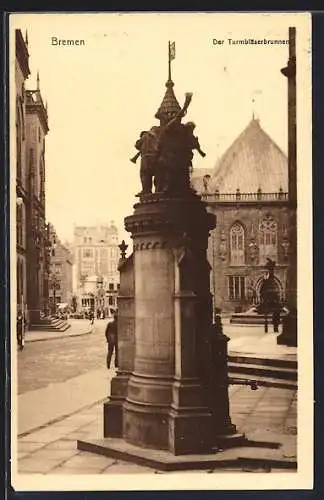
x: 252, y: 163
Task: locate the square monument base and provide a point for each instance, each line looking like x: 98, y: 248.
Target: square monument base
x: 239, y: 457
x: 113, y: 418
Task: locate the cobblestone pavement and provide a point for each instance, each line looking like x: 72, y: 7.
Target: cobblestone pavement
x: 265, y: 414
x: 47, y: 362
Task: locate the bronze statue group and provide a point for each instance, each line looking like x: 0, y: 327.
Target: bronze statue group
x: 166, y: 153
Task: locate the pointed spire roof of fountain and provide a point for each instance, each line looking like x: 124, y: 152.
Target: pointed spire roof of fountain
x: 169, y: 106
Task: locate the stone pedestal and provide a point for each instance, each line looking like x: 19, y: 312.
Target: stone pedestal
x: 170, y: 401
x: 113, y: 408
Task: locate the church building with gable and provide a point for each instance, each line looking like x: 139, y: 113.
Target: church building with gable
x: 248, y: 192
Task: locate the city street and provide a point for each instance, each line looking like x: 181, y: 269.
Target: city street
x: 63, y: 382
x: 57, y: 360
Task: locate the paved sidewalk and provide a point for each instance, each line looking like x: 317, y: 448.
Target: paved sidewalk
x: 264, y: 346
x: 40, y: 407
x: 267, y: 414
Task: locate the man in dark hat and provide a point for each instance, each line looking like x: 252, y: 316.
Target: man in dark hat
x: 111, y: 334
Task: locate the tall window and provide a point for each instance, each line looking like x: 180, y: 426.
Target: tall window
x: 58, y: 268
x: 236, y: 287
x: 237, y: 244
x: 268, y: 236
x: 87, y: 253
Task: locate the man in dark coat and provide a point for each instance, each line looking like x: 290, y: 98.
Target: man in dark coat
x: 20, y: 330
x: 276, y: 319
x: 112, y: 341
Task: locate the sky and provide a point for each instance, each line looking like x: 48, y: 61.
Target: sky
x: 101, y: 95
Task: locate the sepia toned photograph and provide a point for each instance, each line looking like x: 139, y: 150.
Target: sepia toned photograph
x: 161, y: 251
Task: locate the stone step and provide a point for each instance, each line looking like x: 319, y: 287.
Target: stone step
x: 264, y: 371
x: 257, y: 380
x: 263, y: 361
x: 252, y: 319
x: 52, y: 325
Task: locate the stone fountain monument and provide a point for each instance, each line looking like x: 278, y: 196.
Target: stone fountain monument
x: 170, y: 392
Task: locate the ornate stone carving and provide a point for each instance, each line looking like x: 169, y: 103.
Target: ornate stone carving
x: 253, y: 247
x: 285, y: 244
x: 222, y: 246
x: 150, y: 245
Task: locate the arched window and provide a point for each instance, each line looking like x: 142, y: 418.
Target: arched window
x: 268, y: 237
x: 237, y: 245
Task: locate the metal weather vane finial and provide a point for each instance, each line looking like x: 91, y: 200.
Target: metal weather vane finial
x: 171, y: 56
x: 169, y: 106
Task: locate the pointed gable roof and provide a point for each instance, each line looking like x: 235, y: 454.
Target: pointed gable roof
x: 253, y: 161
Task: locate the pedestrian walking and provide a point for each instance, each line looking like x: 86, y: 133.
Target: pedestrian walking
x: 112, y: 341
x: 276, y: 320
x: 218, y: 321
x: 20, y: 330
x: 91, y: 317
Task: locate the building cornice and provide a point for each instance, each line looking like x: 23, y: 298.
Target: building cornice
x: 239, y: 197
x: 34, y: 104
x: 245, y: 200
x: 242, y: 204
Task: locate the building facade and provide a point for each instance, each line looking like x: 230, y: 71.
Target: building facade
x: 96, y: 256
x: 21, y: 74
x: 36, y: 130
x: 31, y: 130
x: 60, y: 289
x: 247, y: 192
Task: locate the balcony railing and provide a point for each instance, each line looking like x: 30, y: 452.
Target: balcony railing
x: 245, y: 197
